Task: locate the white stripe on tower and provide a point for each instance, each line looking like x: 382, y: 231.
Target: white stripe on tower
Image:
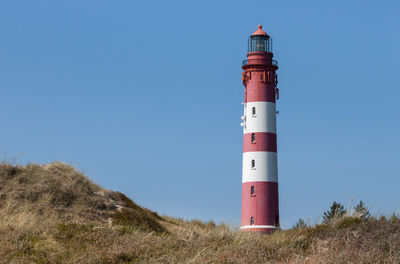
x: 262, y: 120
x: 265, y: 167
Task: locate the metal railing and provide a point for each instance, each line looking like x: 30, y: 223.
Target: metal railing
x: 246, y: 62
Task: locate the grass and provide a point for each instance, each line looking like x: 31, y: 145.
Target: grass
x: 54, y: 214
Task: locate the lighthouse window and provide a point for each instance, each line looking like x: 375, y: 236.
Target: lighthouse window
x: 252, y: 221
x: 253, y: 138
x: 252, y: 190
x: 253, y: 164
x: 253, y: 111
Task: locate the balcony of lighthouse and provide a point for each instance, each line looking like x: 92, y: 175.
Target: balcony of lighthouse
x: 258, y: 61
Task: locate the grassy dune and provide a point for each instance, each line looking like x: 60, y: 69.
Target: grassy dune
x: 54, y: 214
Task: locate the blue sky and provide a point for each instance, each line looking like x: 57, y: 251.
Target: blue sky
x: 145, y: 98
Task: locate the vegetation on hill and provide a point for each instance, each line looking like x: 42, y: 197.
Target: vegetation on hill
x: 54, y: 214
x: 337, y: 210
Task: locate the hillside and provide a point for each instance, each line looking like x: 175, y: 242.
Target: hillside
x: 54, y: 214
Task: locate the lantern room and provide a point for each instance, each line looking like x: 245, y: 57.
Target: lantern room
x: 259, y: 41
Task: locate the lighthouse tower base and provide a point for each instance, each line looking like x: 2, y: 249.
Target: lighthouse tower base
x: 259, y: 229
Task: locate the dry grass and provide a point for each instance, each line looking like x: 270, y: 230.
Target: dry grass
x: 54, y: 214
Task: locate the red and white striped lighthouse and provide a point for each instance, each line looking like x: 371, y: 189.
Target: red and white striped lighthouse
x: 260, y: 208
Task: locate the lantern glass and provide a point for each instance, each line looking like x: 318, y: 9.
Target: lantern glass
x: 260, y: 43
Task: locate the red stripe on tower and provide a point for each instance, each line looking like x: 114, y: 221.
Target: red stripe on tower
x: 259, y: 141
x: 260, y: 207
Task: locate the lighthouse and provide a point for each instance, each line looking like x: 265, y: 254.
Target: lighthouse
x: 260, y: 206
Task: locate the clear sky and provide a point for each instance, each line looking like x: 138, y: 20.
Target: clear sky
x: 145, y: 98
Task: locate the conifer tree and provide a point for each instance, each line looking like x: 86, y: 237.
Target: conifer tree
x: 362, y: 211
x: 300, y: 224
x: 336, y: 210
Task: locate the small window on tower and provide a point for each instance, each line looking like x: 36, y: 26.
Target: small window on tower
x: 253, y: 111
x: 252, y: 221
x: 261, y: 76
x: 252, y: 190
x: 253, y: 164
x: 253, y: 138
